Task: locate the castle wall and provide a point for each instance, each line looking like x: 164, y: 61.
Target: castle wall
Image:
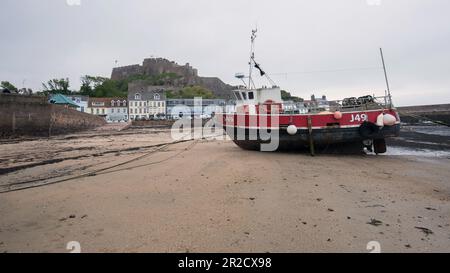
x: 120, y: 73
x: 189, y: 75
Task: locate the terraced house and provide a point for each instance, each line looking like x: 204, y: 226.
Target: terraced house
x: 146, y: 102
x: 112, y: 109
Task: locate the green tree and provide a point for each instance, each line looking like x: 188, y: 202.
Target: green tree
x: 160, y: 79
x: 89, y: 84
x: 9, y: 86
x: 190, y: 92
x: 94, y: 86
x: 110, y: 88
x: 57, y: 86
x: 287, y: 96
x: 86, y: 88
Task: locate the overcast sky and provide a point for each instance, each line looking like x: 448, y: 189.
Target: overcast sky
x: 309, y: 46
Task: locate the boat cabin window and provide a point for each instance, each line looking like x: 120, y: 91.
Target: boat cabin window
x: 237, y: 95
x: 244, y: 95
x: 250, y: 95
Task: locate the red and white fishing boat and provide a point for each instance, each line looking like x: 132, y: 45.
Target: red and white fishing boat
x: 261, y: 122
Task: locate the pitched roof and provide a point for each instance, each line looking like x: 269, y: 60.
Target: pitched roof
x: 106, y: 102
x: 78, y: 97
x: 61, y: 99
x: 147, y: 92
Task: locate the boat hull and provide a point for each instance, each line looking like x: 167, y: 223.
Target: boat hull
x: 328, y: 134
x: 329, y: 140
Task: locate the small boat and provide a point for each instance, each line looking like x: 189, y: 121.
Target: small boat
x: 263, y: 122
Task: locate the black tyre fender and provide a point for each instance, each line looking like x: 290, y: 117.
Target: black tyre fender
x: 379, y: 146
x: 368, y: 130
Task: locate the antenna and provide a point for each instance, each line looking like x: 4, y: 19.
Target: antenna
x: 240, y: 76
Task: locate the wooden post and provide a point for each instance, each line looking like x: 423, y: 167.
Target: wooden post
x: 311, y: 141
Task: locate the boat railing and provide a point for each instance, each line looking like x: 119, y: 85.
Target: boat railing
x: 346, y: 105
x: 311, y: 107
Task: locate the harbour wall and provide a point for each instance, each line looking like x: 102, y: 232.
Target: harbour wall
x: 417, y: 114
x: 34, y: 116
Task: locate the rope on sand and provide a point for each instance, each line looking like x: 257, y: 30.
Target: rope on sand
x: 107, y: 170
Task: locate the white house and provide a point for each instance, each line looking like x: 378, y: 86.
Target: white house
x: 146, y: 102
x: 112, y: 109
x: 81, y: 101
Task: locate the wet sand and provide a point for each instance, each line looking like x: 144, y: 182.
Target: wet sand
x: 211, y: 196
x: 435, y: 138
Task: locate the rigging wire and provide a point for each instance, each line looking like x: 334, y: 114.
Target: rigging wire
x: 326, y: 71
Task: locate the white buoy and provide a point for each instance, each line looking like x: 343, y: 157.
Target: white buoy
x: 389, y: 120
x: 292, y: 130
x: 380, y: 120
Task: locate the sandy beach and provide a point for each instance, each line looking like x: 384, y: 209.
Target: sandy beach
x: 208, y: 195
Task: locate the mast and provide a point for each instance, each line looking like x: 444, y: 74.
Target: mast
x: 386, y: 78
x: 252, y: 63
x: 252, y: 56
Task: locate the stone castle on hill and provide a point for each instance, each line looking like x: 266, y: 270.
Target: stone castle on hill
x: 188, y: 75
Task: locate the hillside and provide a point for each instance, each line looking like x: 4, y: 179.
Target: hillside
x: 187, y: 75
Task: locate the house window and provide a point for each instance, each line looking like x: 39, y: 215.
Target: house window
x: 250, y: 95
x: 156, y: 96
x: 97, y: 111
x: 103, y: 111
x: 124, y: 103
x: 140, y: 103
x: 137, y: 96
x: 131, y: 110
x: 112, y: 103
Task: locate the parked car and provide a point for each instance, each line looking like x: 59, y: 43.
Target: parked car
x: 159, y: 116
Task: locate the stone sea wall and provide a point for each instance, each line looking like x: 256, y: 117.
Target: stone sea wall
x: 34, y: 116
